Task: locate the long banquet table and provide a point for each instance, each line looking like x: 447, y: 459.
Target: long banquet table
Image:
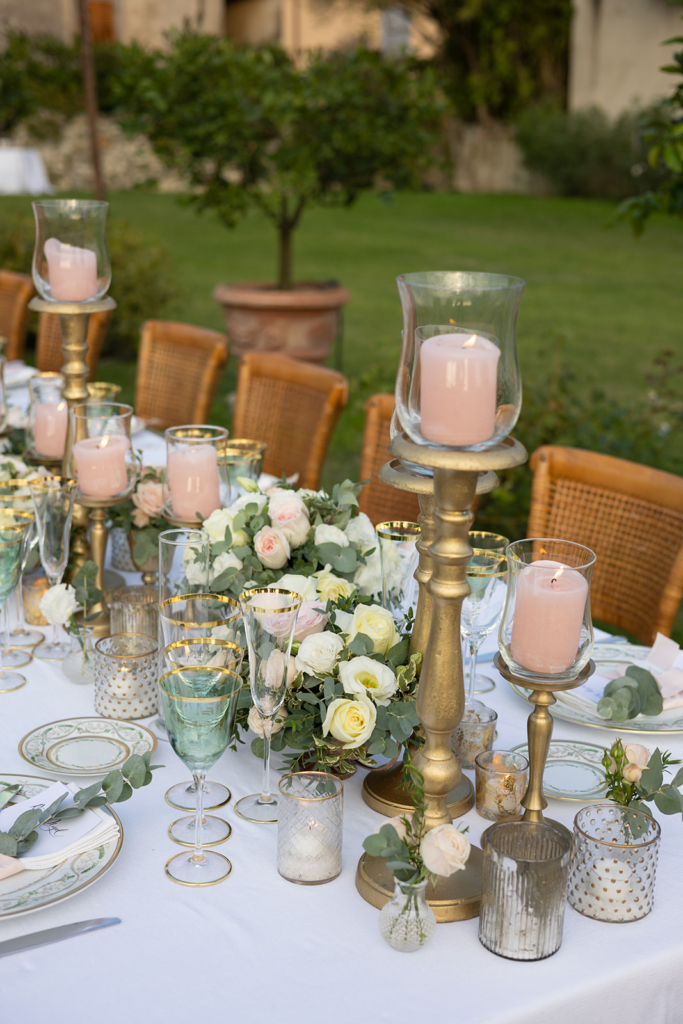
x: 257, y: 948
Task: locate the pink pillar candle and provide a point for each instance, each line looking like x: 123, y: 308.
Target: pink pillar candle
x: 458, y: 390
x: 49, y: 435
x: 101, y: 465
x: 550, y: 602
x: 193, y: 481
x: 72, y: 272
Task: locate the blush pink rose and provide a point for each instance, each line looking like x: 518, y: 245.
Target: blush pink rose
x: 271, y: 547
x: 311, y: 619
x: 149, y: 499
x: 289, y: 514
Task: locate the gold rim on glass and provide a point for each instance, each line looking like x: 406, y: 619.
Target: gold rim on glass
x: 216, y: 842
x: 195, y: 597
x: 30, y: 516
x: 620, y: 846
x: 391, y: 530
x: 200, y: 668
x: 190, y: 433
x: 12, y: 529
x: 502, y: 542
x: 52, y: 483
x: 312, y: 799
x: 197, y: 885
x: 122, y: 657
x: 246, y: 596
x: 193, y: 641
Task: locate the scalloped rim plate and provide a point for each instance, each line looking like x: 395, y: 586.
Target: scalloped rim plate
x: 85, y: 746
x: 573, y: 770
x: 30, y: 891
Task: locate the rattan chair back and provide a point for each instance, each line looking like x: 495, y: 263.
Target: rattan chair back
x: 380, y: 501
x: 16, y: 291
x: 631, y: 516
x: 179, y: 369
x: 294, y: 407
x: 49, y: 354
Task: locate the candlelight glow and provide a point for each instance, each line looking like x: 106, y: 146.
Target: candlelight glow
x: 104, y: 442
x: 61, y: 406
x: 470, y: 342
x: 556, y: 576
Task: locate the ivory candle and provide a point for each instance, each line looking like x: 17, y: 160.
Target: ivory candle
x: 193, y: 481
x: 71, y: 271
x: 50, y: 429
x: 101, y: 465
x: 458, y: 390
x: 549, y: 607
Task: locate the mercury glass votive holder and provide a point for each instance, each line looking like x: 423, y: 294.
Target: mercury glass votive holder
x: 135, y: 610
x: 103, y: 391
x: 524, y: 885
x: 501, y: 780
x: 35, y: 586
x: 474, y: 734
x: 309, y: 828
x: 126, y: 673
x: 613, y: 863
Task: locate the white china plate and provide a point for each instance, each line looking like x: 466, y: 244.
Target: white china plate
x: 572, y: 707
x: 33, y: 890
x: 573, y: 771
x: 85, y: 746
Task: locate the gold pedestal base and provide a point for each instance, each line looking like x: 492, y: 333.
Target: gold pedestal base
x: 456, y: 898
x: 382, y: 791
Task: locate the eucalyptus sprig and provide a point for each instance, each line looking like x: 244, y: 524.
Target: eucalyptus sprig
x: 88, y: 594
x: 631, y: 784
x: 115, y: 788
x: 632, y: 694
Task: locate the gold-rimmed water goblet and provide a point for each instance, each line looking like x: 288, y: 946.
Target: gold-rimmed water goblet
x: 399, y: 557
x: 482, y: 608
x: 269, y: 617
x: 17, y: 657
x: 11, y: 546
x: 15, y: 495
x: 484, y: 542
x: 199, y: 617
x: 199, y: 710
x: 53, y: 502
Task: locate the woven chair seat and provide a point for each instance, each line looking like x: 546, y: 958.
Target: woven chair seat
x: 16, y: 291
x: 379, y: 501
x: 49, y: 353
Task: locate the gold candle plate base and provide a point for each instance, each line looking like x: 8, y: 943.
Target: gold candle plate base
x: 382, y: 791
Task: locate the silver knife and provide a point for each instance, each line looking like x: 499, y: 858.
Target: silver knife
x: 64, y: 931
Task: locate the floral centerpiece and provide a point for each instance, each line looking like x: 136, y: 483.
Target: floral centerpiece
x: 141, y: 515
x: 350, y: 680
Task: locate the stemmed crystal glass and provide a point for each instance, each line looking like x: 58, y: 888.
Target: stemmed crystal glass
x: 269, y: 620
x: 199, y: 709
x: 16, y: 495
x: 483, y: 542
x: 53, y: 500
x: 11, y: 546
x: 26, y: 522
x: 482, y: 608
x: 189, y: 617
x: 398, y: 558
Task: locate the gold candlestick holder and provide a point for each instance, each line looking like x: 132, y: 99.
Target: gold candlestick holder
x: 441, y: 693
x: 98, y: 546
x: 382, y: 787
x: 539, y: 732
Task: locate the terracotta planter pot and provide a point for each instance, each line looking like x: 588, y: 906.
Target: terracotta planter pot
x: 302, y: 323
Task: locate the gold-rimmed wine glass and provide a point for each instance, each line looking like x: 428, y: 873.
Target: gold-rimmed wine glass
x: 16, y: 495
x: 53, y: 502
x: 398, y: 558
x: 11, y: 545
x: 16, y: 657
x: 485, y: 543
x: 199, y: 710
x: 483, y: 606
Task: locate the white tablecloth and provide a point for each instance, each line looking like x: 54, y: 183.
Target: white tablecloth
x: 22, y: 172
x: 256, y: 948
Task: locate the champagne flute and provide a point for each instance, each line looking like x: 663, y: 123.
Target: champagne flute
x: 26, y: 522
x: 269, y: 620
x: 483, y: 606
x: 53, y: 501
x: 16, y: 494
x: 483, y: 542
x: 398, y: 557
x: 11, y: 545
x: 199, y: 710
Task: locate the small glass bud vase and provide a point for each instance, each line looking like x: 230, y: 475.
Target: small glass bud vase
x: 546, y: 630
x: 77, y: 666
x: 197, y: 477
x: 70, y: 259
x: 102, y: 457
x: 458, y: 383
x: 48, y: 416
x: 407, y: 921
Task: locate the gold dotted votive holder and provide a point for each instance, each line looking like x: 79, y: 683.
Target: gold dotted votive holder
x: 126, y: 671
x: 501, y: 780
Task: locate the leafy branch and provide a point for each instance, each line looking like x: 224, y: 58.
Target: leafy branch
x: 633, y: 694
x: 631, y: 786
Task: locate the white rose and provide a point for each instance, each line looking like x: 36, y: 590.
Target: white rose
x: 318, y: 653
x: 289, y: 514
x: 304, y: 586
x: 445, y: 850
x: 365, y: 675
x: 225, y: 561
x: 331, y: 587
x: 195, y: 574
x: 271, y: 547
x: 636, y: 753
x: 216, y: 524
x: 351, y: 721
x: 368, y: 577
x: 376, y: 623
x: 342, y: 619
x: 398, y: 823
x: 325, y: 534
x: 360, y: 531
x: 252, y: 498
x: 58, y: 604
x: 256, y: 722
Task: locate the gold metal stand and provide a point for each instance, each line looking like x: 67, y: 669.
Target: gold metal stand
x: 539, y: 732
x: 98, y: 546
x: 441, y: 693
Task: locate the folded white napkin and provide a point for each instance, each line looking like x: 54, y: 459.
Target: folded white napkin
x: 18, y: 373
x: 106, y: 830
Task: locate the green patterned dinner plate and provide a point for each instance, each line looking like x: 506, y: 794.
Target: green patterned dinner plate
x: 85, y: 746
x: 573, y: 771
x: 33, y: 890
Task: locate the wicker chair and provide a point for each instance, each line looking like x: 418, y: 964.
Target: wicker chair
x: 379, y: 501
x: 16, y: 291
x: 49, y: 354
x: 179, y: 368
x: 293, y: 407
x: 631, y: 516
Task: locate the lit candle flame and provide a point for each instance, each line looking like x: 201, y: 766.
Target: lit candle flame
x: 61, y: 406
x: 470, y: 342
x: 556, y: 576
x: 104, y: 442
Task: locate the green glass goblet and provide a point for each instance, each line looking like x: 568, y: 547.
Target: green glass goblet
x: 199, y: 709
x: 11, y: 547
x: 16, y: 495
x: 16, y: 657
x: 53, y: 500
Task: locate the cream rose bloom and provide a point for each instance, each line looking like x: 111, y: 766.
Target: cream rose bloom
x: 226, y: 561
x: 58, y: 604
x: 216, y: 524
x: 637, y: 756
x: 304, y: 586
x: 365, y: 675
x: 325, y: 534
x: 256, y: 722
x: 148, y: 499
x: 398, y: 823
x: 318, y: 653
x: 445, y: 850
x: 351, y: 721
x: 343, y: 620
x: 289, y: 514
x: 195, y: 574
x: 376, y: 623
x: 271, y: 547
x: 331, y: 587
x: 368, y: 577
x: 360, y: 531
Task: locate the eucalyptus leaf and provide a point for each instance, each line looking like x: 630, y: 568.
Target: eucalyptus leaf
x: 25, y: 844
x: 113, y: 785
x: 25, y: 823
x: 8, y: 844
x: 361, y: 645
x: 397, y: 654
x: 375, y: 845
x: 83, y: 795
x: 135, y: 771
x: 668, y: 800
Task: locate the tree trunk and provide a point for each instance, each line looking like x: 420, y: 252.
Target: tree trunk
x: 90, y: 91
x: 285, y: 262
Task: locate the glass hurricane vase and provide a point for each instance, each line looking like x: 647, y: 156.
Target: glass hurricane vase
x: 70, y: 259
x: 407, y: 921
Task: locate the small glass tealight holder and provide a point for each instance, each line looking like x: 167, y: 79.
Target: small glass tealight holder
x: 102, y: 457
x: 135, y: 610
x: 70, y: 259
x: 524, y: 885
x: 474, y: 734
x: 126, y: 673
x: 244, y: 461
x: 103, y: 391
x: 501, y: 778
x: 309, y: 828
x: 197, y: 479
x: 48, y: 416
